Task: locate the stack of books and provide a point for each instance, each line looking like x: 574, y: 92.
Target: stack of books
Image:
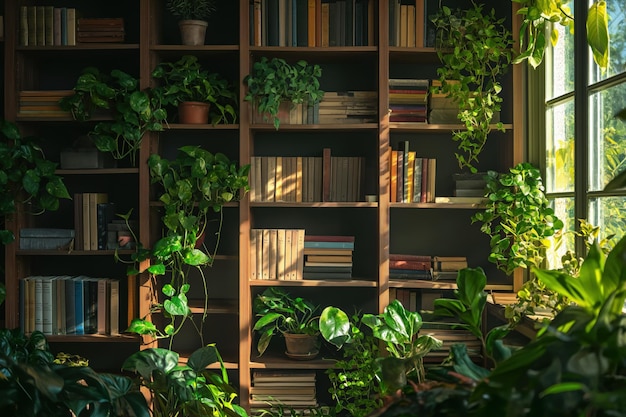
x: 348, y: 107
x: 446, y: 268
x: 408, y: 100
x: 449, y: 337
x: 294, y: 390
x: 100, y: 30
x: 403, y: 266
x: 328, y: 257
x: 42, y: 103
x: 442, y: 109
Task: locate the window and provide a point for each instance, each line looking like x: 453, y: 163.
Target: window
x: 585, y: 144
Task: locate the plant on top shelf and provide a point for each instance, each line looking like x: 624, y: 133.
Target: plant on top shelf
x: 185, y: 81
x: 26, y: 177
x: 279, y: 312
x: 134, y: 112
x: 273, y: 81
x: 191, y: 186
x: 475, y: 50
x: 193, y: 15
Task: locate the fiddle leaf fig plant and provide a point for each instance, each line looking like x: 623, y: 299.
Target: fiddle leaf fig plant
x: 133, y: 111
x: 192, y: 186
x: 273, y: 81
x: 475, y: 50
x: 518, y: 218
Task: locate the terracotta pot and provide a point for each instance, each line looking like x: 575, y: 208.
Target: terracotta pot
x: 301, y: 346
x: 284, y: 111
x: 193, y: 112
x: 192, y: 32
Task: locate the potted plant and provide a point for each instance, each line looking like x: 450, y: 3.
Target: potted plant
x: 27, y: 177
x: 274, y: 83
x: 134, y: 112
x: 191, y: 187
x: 193, y: 15
x: 184, y: 390
x: 475, y: 50
x: 195, y: 91
x: 293, y: 317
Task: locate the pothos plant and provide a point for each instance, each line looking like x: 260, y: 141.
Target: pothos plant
x: 133, y: 111
x: 475, y: 50
x: 518, y: 218
x: 192, y: 186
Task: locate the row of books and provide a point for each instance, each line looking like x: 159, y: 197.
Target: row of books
x: 96, y: 225
x: 296, y: 22
x: 65, y: 305
x: 425, y: 267
x: 42, y: 103
x: 305, y: 179
x: 295, y: 389
x: 47, y: 26
x: 277, y: 254
x: 348, y: 107
x: 406, y: 23
x: 408, y: 100
x: 413, y: 178
x: 291, y: 114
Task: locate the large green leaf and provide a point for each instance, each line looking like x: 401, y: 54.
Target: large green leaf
x: 334, y: 326
x: 598, y: 33
x: 203, y: 357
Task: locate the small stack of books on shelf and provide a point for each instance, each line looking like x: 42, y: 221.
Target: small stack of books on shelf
x: 403, y: 266
x: 348, y: 107
x: 408, y: 100
x: 42, y: 103
x: 276, y: 254
x: 446, y: 268
x: 100, y: 30
x: 46, y: 238
x: 294, y: 390
x: 67, y: 305
x: 449, y: 335
x: 413, y: 177
x: 442, y: 109
x: 328, y: 257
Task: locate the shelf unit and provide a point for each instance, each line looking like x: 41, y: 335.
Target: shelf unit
x: 380, y: 228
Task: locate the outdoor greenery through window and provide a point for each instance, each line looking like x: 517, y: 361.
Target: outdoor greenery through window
x: 583, y: 153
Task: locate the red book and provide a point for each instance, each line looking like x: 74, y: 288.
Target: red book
x: 419, y: 265
x: 403, y: 257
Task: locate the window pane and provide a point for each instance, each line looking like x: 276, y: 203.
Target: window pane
x: 564, y: 210
x: 607, y: 136
x: 617, y: 51
x: 560, y: 148
x: 609, y: 213
x: 560, y: 62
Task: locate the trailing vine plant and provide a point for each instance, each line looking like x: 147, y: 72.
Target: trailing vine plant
x: 475, y: 49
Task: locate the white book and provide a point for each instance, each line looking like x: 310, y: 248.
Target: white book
x: 104, y: 305
x: 114, y: 313
x: 38, y: 303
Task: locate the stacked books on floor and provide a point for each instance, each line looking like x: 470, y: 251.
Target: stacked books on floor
x: 328, y: 257
x: 100, y: 30
x: 408, y: 100
x: 292, y: 390
x: 426, y: 267
x: 348, y: 107
x: 277, y: 254
x: 42, y: 103
x: 413, y: 177
x: 70, y: 305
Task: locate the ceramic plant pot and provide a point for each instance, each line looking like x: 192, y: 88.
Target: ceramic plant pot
x: 301, y: 346
x: 192, y: 32
x: 193, y: 112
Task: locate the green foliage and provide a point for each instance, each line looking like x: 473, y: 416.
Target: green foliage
x: 26, y: 177
x: 539, y: 16
x: 353, y: 388
x: 192, y: 186
x: 575, y: 366
x: 134, y: 112
x: 280, y: 312
x: 518, y: 218
x: 188, y: 390
x: 32, y: 385
x: 191, y: 9
x: 186, y: 80
x: 475, y: 50
x: 273, y: 81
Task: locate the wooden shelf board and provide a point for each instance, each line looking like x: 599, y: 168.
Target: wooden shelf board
x: 215, y: 306
x: 443, y: 285
x: 275, y: 361
x: 432, y: 128
x: 313, y: 283
x: 317, y: 54
x: 319, y: 204
x: 96, y: 46
x: 97, y: 171
x: 324, y: 127
x: 93, y: 338
x: 451, y: 206
x: 59, y: 252
x: 190, y: 126
x: 196, y: 49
